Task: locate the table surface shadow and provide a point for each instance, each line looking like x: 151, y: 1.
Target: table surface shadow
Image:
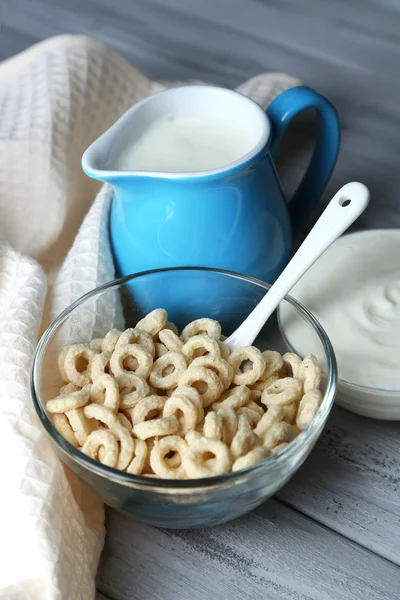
x: 333, y: 531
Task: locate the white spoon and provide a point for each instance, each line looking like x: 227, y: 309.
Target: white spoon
x: 344, y: 208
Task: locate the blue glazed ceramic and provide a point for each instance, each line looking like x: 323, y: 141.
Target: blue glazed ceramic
x: 233, y: 218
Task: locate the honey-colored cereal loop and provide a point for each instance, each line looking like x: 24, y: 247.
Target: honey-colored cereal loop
x: 100, y: 364
x: 253, y: 416
x: 136, y: 336
x: 68, y: 388
x: 283, y: 391
x: 251, y: 458
x: 143, y: 361
x: 96, y: 345
x: 293, y: 364
x: 217, y: 364
x: 106, y: 416
x: 138, y: 462
x: 277, y: 433
x: 80, y: 425
x: 205, y: 381
x: 229, y: 423
x: 279, y: 447
x: 202, y: 326
x: 132, y: 389
x: 125, y: 422
x: 200, y: 345
x: 148, y: 408
x: 308, y: 408
x: 225, y: 352
x: 310, y: 373
x: 62, y: 424
x: 156, y: 427
x: 254, y: 356
x: 254, y: 406
x: 105, y: 391
x: 171, y: 340
x: 160, y: 349
x: 110, y: 341
x: 263, y: 384
x: 273, y: 363
x: 153, y: 322
x: 244, y: 441
x: 255, y: 396
x: 102, y: 438
x: 194, y: 397
x: 61, y: 360
x: 186, y: 411
x: 235, y: 398
x: 69, y: 401
x: 172, y: 327
x: 159, y: 462
x: 212, y: 426
x: 167, y: 370
x: 77, y: 364
x: 290, y: 411
x: 273, y: 415
x: 195, y: 463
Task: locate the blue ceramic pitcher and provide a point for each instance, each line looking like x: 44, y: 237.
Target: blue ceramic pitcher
x: 233, y: 218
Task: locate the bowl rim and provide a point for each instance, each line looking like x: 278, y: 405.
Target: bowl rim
x: 194, y: 485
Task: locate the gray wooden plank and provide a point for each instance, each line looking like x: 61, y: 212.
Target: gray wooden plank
x: 273, y: 553
x: 351, y: 482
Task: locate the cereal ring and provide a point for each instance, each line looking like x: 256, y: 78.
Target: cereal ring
x: 283, y: 391
x: 77, y: 364
x: 244, y: 441
x: 136, y: 336
x: 255, y: 396
x: 278, y: 432
x: 194, y: 397
x: 172, y: 327
x: 200, y: 345
x: 105, y: 391
x: 308, y: 408
x: 140, y: 362
x: 225, y: 352
x: 289, y: 412
x: 273, y: 363
x: 226, y: 425
x: 148, y: 408
x: 158, y: 457
x: 63, y: 426
x: 156, y: 427
x: 273, y: 415
x: 104, y: 415
x: 68, y: 388
x: 279, y: 447
x: 102, y: 438
x: 99, y: 365
x: 96, y: 345
x: 251, y: 354
x: 80, y: 425
x: 200, y: 326
x: 125, y: 422
x: 196, y: 462
x: 61, y: 361
x: 138, y: 462
x: 170, y: 340
x: 69, y: 401
x: 252, y: 416
x: 293, y: 364
x: 178, y: 405
x: 110, y: 341
x: 133, y: 388
x: 153, y: 322
x: 263, y: 384
x: 235, y: 398
x: 212, y: 426
x: 160, y: 349
x: 295, y: 430
x: 160, y: 378
x: 217, y: 364
x: 251, y: 458
x: 253, y: 406
x: 310, y: 373
x: 205, y: 381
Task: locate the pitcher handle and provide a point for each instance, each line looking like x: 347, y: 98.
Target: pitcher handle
x: 281, y: 112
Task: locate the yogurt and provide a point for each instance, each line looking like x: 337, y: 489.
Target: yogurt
x: 187, y: 143
x: 354, y: 291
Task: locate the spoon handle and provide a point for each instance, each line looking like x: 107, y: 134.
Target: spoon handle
x: 344, y: 208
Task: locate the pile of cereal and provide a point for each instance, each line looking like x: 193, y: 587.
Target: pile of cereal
x: 150, y: 402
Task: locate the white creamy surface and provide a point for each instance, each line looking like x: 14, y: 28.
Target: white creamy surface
x: 354, y: 291
x: 187, y: 143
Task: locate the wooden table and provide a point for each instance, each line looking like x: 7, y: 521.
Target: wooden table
x: 333, y: 532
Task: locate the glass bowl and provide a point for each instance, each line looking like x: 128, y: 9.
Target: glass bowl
x: 225, y: 296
